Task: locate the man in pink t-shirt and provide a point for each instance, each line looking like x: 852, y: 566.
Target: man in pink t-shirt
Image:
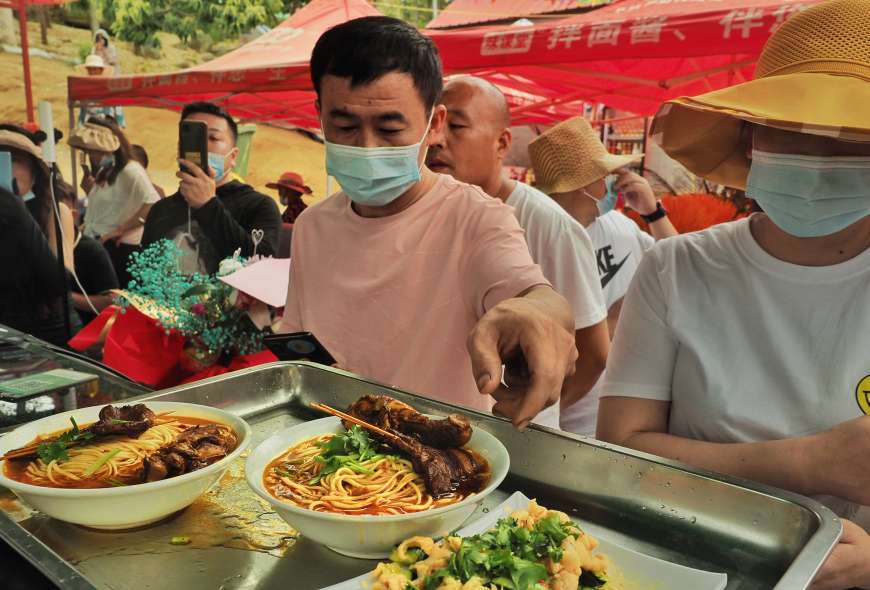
x: 407, y: 276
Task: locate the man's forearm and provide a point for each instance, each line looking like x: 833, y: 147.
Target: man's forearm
x: 593, y: 345
x: 662, y: 228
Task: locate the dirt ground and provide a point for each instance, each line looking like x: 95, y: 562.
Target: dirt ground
x: 274, y: 150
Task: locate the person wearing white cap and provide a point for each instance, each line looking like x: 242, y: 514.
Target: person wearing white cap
x: 96, y: 66
x: 743, y: 348
x: 476, y: 139
x: 574, y: 168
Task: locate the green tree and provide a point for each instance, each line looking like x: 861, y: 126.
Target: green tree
x: 138, y: 21
x: 415, y: 12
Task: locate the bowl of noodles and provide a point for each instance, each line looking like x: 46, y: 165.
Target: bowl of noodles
x: 102, y: 482
x: 356, y: 495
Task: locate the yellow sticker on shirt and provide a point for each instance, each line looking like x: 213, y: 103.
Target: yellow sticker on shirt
x: 862, y: 394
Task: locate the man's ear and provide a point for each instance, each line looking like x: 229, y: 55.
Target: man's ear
x: 505, y: 141
x: 233, y: 156
x: 436, y: 128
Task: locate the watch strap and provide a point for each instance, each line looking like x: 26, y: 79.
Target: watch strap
x: 655, y: 215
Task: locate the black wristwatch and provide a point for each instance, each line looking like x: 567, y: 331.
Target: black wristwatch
x: 655, y: 215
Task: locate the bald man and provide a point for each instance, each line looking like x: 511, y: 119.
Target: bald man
x: 475, y: 141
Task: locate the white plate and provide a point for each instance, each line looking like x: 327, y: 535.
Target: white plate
x: 635, y: 570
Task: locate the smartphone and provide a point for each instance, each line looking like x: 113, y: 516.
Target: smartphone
x: 193, y: 143
x: 300, y: 346
x: 6, y: 171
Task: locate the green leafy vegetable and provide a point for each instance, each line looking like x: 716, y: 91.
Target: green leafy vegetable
x: 349, y: 449
x: 508, y: 556
x: 590, y: 580
x: 55, y: 450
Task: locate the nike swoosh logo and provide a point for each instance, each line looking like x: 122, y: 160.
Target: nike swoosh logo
x: 611, y: 272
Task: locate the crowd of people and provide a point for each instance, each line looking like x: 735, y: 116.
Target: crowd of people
x: 735, y: 349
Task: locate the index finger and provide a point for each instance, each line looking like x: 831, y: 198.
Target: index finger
x: 545, y: 385
x: 485, y: 360
x: 193, y: 169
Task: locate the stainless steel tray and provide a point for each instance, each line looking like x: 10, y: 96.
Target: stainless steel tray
x: 761, y: 537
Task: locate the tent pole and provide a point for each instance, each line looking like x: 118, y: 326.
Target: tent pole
x: 25, y: 58
x: 72, y: 156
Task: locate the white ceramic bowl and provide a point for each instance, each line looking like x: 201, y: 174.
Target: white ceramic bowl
x: 128, y: 506
x: 368, y: 536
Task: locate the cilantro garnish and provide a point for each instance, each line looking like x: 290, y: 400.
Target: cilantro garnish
x: 348, y: 449
x: 509, y: 557
x: 55, y: 450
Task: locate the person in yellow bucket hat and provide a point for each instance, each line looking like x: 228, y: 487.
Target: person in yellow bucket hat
x: 743, y: 348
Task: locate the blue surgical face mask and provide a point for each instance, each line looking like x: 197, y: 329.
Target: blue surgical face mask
x: 107, y: 161
x: 810, y: 196
x: 217, y: 162
x: 607, y: 203
x: 375, y: 176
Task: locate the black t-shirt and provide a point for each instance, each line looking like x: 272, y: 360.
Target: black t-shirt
x: 32, y: 284
x: 94, y: 269
x: 218, y: 228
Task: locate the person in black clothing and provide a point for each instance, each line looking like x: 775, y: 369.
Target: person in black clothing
x: 97, y: 276
x: 32, y: 285
x: 34, y: 296
x: 211, y: 216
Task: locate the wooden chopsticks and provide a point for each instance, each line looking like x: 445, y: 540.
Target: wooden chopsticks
x: 354, y: 420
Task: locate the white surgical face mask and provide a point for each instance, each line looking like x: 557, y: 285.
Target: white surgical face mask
x: 810, y: 196
x: 375, y: 176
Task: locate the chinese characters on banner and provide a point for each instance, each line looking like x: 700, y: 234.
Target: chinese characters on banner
x: 738, y: 23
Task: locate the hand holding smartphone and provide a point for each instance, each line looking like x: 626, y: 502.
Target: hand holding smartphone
x: 193, y: 144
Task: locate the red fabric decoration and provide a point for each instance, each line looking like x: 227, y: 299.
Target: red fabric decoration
x: 693, y: 212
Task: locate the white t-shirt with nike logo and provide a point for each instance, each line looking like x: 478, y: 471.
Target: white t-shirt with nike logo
x: 561, y: 247
x: 619, y: 247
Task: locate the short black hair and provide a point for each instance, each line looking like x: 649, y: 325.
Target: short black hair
x: 364, y: 49
x: 139, y: 154
x: 209, y: 108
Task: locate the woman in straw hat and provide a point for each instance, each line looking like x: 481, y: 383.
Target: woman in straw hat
x: 574, y: 168
x: 33, y: 284
x: 120, y: 193
x: 743, y: 348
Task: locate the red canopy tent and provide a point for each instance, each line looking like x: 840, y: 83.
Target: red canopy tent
x: 470, y: 12
x: 20, y: 6
x: 265, y: 80
x: 631, y: 55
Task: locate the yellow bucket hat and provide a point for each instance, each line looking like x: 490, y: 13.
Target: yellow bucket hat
x: 570, y: 155
x: 91, y: 136
x: 812, y: 77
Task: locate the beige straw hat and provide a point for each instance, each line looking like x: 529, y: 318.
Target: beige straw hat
x: 812, y: 77
x: 10, y: 140
x: 569, y: 156
x: 91, y: 136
